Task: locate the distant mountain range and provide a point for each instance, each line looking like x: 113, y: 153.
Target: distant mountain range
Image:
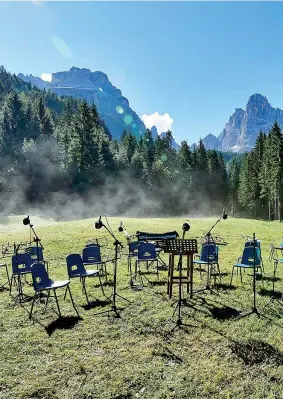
x: 238, y: 135
x: 96, y: 88
x: 243, y: 127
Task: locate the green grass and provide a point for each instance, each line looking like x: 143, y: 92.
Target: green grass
x: 135, y: 356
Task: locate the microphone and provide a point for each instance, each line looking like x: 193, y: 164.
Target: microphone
x: 26, y: 221
x: 224, y: 215
x: 98, y: 224
x: 186, y: 227
x: 120, y: 228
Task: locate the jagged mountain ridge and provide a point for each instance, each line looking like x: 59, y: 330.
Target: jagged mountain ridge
x: 96, y: 88
x: 241, y: 131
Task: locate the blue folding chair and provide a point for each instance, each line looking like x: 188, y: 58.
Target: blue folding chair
x: 76, y: 269
x: 250, y: 243
x: 36, y: 254
x: 21, y: 266
x: 92, y: 256
x: 249, y: 260
x: 133, y: 252
x: 42, y: 282
x: 209, y: 258
x: 146, y: 254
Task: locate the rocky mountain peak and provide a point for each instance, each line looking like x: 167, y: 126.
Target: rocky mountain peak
x: 257, y: 106
x: 96, y: 88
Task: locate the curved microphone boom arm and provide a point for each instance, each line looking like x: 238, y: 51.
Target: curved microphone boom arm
x: 100, y: 224
x: 223, y: 216
x: 122, y: 229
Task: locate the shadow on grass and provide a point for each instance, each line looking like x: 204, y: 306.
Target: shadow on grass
x: 225, y: 287
x: 270, y: 278
x: 224, y: 313
x: 158, y: 283
x: 270, y: 293
x: 63, y: 323
x: 104, y: 284
x: 96, y: 303
x: 257, y: 352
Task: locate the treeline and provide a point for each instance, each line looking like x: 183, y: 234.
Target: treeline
x: 56, y: 151
x: 256, y: 182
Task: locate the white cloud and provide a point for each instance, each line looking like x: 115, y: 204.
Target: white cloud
x: 46, y: 76
x: 162, y: 122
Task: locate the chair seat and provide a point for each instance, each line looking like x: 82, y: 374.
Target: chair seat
x: 22, y: 273
x: 146, y: 260
x: 88, y: 273
x: 55, y: 284
x: 246, y: 266
x: 3, y: 264
x: 201, y: 262
x: 97, y: 263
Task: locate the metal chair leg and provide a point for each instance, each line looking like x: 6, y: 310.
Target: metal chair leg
x: 65, y: 294
x: 57, y: 304
x: 71, y: 297
x: 33, y: 300
x: 232, y: 275
x: 47, y: 299
x: 84, y: 289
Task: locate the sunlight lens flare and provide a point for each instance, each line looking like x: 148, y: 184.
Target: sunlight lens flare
x: 128, y: 119
x: 119, y: 109
x: 62, y: 47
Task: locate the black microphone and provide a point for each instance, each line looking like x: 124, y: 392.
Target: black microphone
x: 224, y: 215
x: 98, y: 224
x: 26, y: 221
x: 120, y: 228
x: 186, y: 227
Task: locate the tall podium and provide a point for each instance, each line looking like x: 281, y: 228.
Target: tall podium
x: 185, y: 249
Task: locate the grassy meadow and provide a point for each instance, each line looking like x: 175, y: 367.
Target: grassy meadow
x: 136, y: 356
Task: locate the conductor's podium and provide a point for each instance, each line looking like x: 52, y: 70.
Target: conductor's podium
x: 186, y: 249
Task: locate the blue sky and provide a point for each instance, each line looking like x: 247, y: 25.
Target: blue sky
x: 196, y: 61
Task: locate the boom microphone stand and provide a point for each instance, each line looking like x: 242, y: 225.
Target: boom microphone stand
x: 36, y: 239
x: 209, y: 240
x: 117, y: 244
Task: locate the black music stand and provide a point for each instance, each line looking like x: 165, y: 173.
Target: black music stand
x: 181, y: 247
x: 254, y: 309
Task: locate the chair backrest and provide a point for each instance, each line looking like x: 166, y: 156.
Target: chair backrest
x: 133, y: 248
x: 250, y: 243
x: 251, y: 256
x: 40, y: 277
x: 75, y: 265
x: 33, y: 253
x: 209, y: 253
x: 146, y: 250
x: 21, y: 263
x: 91, y: 254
